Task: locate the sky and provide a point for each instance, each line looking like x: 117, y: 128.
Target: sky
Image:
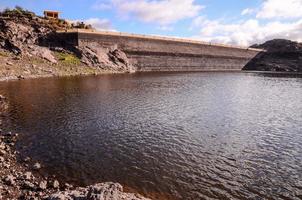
x: 237, y: 22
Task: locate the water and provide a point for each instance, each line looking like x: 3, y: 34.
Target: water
x: 167, y: 135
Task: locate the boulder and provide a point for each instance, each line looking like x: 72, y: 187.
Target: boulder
x: 43, y: 185
x: 9, y: 180
x: 44, y: 53
x: 28, y: 185
x: 27, y: 176
x: 2, y: 152
x: 105, y: 59
x: 37, y: 166
x: 56, y: 184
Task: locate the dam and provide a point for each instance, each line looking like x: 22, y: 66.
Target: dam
x: 156, y: 53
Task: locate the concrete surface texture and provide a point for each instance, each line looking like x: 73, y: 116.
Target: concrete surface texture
x: 152, y: 53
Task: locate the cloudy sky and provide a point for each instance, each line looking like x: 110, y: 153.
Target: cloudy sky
x: 240, y: 22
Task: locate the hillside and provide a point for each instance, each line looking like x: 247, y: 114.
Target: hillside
x: 29, y: 47
x: 281, y: 55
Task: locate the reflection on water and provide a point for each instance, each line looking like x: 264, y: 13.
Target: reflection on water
x: 178, y: 135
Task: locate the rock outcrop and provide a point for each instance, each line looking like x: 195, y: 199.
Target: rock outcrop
x: 105, y: 58
x: 21, y: 35
x: 26, y: 35
x: 280, y: 55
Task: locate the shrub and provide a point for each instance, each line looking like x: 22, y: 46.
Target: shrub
x: 17, y: 11
x: 68, y: 59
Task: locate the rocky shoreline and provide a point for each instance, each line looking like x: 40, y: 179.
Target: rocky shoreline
x: 22, y: 178
x: 12, y: 68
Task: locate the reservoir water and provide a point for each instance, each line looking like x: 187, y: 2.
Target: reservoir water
x: 166, y: 135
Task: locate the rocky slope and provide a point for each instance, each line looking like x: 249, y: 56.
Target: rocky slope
x: 27, y: 37
x: 281, y: 55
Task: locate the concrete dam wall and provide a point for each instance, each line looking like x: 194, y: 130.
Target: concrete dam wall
x: 148, y: 53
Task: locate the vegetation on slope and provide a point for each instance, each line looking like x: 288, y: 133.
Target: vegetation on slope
x: 26, y: 38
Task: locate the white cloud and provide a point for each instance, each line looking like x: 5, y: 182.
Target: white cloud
x: 97, y: 23
x: 102, y: 5
x: 163, y: 12
x: 2, y: 8
x: 165, y: 28
x: 280, y: 9
x: 272, y: 19
x: 247, y: 11
x: 247, y: 32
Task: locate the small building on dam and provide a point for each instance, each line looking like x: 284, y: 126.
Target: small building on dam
x: 153, y: 53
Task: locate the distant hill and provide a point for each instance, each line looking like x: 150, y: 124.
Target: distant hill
x: 281, y: 55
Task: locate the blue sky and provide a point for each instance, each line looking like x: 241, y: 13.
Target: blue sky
x: 241, y: 22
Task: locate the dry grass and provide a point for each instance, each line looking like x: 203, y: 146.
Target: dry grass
x: 67, y: 59
x: 4, y: 54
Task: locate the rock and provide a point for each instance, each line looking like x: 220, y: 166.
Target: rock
x: 2, y: 152
x: 44, y: 53
x: 105, y: 59
x: 9, y: 180
x: 68, y: 186
x: 43, y: 185
x: 279, y: 55
x: 37, y: 166
x: 122, y: 58
x: 61, y: 196
x: 27, y: 176
x: 27, y: 159
x: 110, y: 191
x: 20, y: 77
x: 56, y: 184
x: 7, y: 148
x: 2, y: 146
x: 2, y: 97
x: 1, y: 159
x: 6, y: 165
x: 9, y: 63
x: 8, y: 134
x: 28, y: 185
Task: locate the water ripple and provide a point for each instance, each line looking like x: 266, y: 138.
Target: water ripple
x: 168, y: 136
